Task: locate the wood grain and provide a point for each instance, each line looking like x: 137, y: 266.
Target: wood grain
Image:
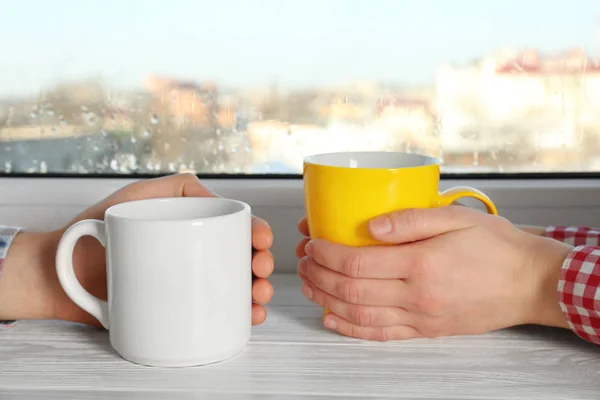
x: 292, y: 356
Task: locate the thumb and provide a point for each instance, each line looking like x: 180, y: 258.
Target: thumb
x: 415, y: 224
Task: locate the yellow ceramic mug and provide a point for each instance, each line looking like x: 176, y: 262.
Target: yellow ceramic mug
x: 343, y: 191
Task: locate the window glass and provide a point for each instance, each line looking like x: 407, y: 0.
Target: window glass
x: 253, y: 86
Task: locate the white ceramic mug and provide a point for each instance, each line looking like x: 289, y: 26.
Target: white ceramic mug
x: 179, y: 279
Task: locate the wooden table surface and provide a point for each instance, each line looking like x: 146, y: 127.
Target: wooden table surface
x: 292, y: 356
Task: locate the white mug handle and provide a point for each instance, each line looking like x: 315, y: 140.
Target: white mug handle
x: 66, y: 274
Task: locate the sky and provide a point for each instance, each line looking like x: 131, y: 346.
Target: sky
x: 251, y: 43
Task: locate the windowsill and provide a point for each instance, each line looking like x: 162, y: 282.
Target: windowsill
x: 551, y: 193
x: 47, y: 203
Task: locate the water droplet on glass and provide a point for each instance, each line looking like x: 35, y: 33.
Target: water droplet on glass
x: 133, y: 140
x: 146, y: 133
x: 475, y: 158
x: 34, y: 115
x: 218, y: 132
x: 154, y: 119
x: 470, y: 134
x: 221, y: 146
x: 43, y: 167
x: 104, y: 133
x: 114, y: 165
x: 62, y: 120
x: 167, y: 146
x: 234, y: 148
x: 172, y: 167
x: 53, y: 131
x: 50, y: 112
x: 84, y: 108
x: 96, y: 148
x: 7, y: 167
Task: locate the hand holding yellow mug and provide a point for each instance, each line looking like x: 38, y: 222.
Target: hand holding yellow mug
x: 344, y: 191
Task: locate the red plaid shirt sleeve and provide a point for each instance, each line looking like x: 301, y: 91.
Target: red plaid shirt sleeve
x: 579, y: 284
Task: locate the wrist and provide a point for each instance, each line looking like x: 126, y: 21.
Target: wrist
x: 26, y: 285
x: 534, y: 230
x: 546, y: 267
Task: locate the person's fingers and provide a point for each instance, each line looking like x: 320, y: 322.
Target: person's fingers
x: 262, y: 291
x: 259, y: 314
x: 368, y: 292
x: 374, y: 262
x: 357, y: 314
x: 262, y: 264
x: 189, y: 186
x: 303, y: 227
x: 300, y: 252
x: 416, y: 224
x: 380, y: 333
x: 262, y: 236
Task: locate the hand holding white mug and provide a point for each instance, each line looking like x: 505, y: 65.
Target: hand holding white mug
x: 29, y: 288
x: 449, y: 271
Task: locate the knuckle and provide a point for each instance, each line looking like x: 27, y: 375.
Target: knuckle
x: 353, y: 331
x: 354, y: 264
x: 423, y: 265
x: 431, y: 328
x: 409, y: 219
x: 384, y: 335
x: 316, y: 251
x: 349, y: 291
x: 427, y: 303
x: 433, y: 332
x: 361, y: 316
x: 321, y: 300
x: 500, y: 222
x: 187, y: 177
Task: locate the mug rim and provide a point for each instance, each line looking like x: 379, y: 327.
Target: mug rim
x: 117, y: 210
x: 313, y: 159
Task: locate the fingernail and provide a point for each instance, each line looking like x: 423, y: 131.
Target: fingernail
x: 302, y: 267
x: 307, y: 248
x: 330, y: 323
x: 381, y: 225
x: 307, y: 291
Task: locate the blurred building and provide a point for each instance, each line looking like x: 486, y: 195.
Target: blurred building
x: 527, y: 99
x: 197, y: 103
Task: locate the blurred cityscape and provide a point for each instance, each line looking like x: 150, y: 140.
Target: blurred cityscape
x: 512, y: 111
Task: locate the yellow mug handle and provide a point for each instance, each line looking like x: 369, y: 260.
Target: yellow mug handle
x: 449, y: 196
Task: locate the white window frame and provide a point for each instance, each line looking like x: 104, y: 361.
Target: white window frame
x: 48, y: 203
